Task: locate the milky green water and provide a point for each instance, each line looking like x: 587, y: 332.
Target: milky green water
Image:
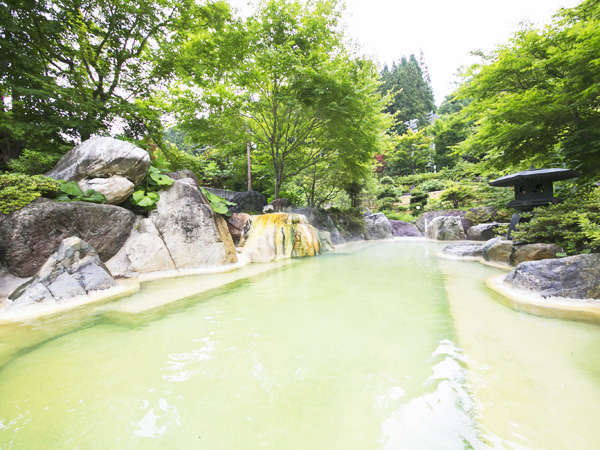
x: 385, y: 348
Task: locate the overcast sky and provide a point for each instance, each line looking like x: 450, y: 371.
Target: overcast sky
x: 445, y: 30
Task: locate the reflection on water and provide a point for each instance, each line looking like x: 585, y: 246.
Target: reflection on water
x: 360, y: 351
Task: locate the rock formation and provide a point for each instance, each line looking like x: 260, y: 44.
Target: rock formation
x: 182, y: 232
x: 575, y: 276
x: 30, y: 235
x: 116, y: 189
x: 464, y: 250
x: 250, y: 202
x: 533, y: 252
x: 498, y: 250
x: 446, y: 228
x: 425, y: 219
x: 377, y: 227
x: 404, y: 229
x: 74, y: 269
x: 281, y: 235
x: 483, y: 231
x: 102, y: 157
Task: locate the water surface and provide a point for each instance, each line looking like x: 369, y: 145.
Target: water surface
x: 386, y: 348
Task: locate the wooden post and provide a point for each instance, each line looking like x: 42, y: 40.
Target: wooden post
x: 249, y: 171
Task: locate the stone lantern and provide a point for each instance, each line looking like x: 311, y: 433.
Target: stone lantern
x: 533, y: 188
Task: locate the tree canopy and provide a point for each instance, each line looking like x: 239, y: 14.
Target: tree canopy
x: 537, y: 98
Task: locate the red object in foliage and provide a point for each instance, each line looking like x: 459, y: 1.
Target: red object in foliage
x: 380, y: 163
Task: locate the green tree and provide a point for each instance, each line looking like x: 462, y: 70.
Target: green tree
x: 412, y: 153
x: 537, y: 98
x: 71, y: 67
x: 289, y: 88
x: 412, y: 97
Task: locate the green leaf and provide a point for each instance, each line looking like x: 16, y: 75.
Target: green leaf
x: 160, y: 179
x: 93, y: 196
x: 138, y: 195
x: 71, y: 188
x: 63, y: 198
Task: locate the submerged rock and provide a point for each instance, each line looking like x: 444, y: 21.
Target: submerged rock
x: 464, y: 250
x: 498, y: 250
x: 483, y: 231
x: 74, y: 269
x: 575, y: 276
x: 281, y: 235
x: 404, y: 229
x: 102, y: 157
x: 30, y: 235
x: 377, y: 227
x: 116, y: 189
x: 446, y: 228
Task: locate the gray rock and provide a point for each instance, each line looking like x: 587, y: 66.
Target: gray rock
x: 498, y: 250
x: 30, y: 235
x: 116, y: 189
x: 533, y: 252
x: 483, y: 231
x: 185, y: 173
x: 144, y: 251
x: 464, y: 250
x: 426, y: 218
x: 190, y: 229
x: 575, y: 276
x: 65, y: 286
x: 319, y: 219
x: 325, y: 240
x: 446, y: 228
x: 74, y: 269
x: 404, y: 229
x: 250, y: 202
x: 102, y: 157
x: 377, y: 227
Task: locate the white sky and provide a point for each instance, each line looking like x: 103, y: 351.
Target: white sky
x: 445, y: 30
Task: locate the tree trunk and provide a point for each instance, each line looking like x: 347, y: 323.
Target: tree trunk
x: 249, y: 170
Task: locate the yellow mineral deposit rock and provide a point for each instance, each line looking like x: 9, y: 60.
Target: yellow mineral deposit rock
x: 281, y: 235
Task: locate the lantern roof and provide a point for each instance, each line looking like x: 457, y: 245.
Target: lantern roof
x: 534, y: 175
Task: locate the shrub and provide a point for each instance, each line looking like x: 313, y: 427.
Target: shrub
x: 387, y: 192
x: 387, y: 180
x: 147, y: 197
x: 574, y: 224
x: 32, y: 162
x: 19, y: 190
x: 399, y: 215
x: 432, y: 185
x: 418, y: 200
x: 458, y: 195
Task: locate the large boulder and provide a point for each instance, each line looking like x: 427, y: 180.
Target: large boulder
x: 30, y: 235
x: 319, y: 219
x: 404, y: 229
x: 250, y: 201
x: 102, y: 157
x: 575, y: 276
x: 498, y: 250
x: 426, y: 218
x: 116, y: 189
x: 464, y: 250
x: 482, y: 214
x: 446, y: 228
x: 483, y: 231
x: 533, y: 252
x: 144, y: 251
x: 194, y: 235
x: 377, y: 227
x: 74, y: 269
x: 281, y: 235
